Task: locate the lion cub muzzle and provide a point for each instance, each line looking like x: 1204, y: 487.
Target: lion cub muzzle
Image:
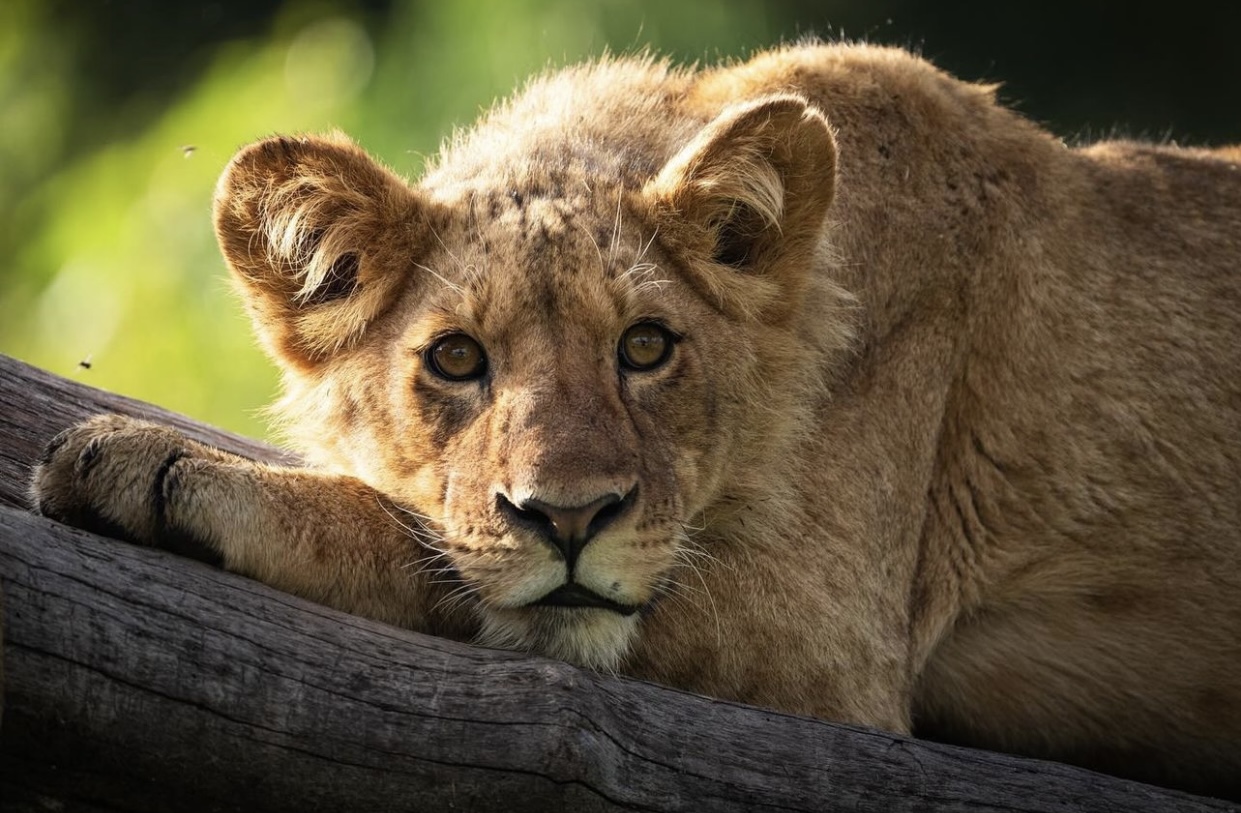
x: 568, y: 530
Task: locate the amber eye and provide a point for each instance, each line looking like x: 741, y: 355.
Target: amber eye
x: 645, y: 346
x: 457, y: 357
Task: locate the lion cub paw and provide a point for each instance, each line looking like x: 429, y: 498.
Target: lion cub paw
x: 120, y: 477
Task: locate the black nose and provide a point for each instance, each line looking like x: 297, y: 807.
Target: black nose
x: 567, y: 528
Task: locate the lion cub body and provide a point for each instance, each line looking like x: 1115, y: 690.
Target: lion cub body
x: 946, y: 435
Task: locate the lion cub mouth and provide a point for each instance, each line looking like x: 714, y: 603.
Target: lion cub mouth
x: 575, y: 595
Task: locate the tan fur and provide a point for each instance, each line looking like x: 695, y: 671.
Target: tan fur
x: 949, y: 439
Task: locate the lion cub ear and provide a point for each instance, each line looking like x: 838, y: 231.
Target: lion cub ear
x: 317, y: 235
x: 750, y: 193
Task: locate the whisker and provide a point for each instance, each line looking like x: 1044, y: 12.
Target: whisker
x: 428, y: 564
x: 454, y: 598
x: 451, y: 256
x: 422, y: 534
x: 691, y: 550
x: 642, y: 251
x: 616, y: 231
x: 460, y: 588
x: 603, y: 267
x: 452, y: 286
x: 405, y: 509
x: 687, y: 546
x: 696, y: 528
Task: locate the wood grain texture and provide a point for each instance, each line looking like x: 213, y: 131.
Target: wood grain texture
x: 140, y: 681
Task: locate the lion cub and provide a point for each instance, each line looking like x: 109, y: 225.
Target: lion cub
x: 820, y: 382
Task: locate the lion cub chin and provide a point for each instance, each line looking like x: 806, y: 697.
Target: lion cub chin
x: 592, y: 637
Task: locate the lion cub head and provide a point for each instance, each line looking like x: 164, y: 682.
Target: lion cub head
x: 560, y: 355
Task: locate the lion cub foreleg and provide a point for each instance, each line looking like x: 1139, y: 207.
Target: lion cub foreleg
x: 328, y: 538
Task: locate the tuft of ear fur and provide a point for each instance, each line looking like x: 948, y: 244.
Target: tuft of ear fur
x: 318, y: 237
x: 750, y: 193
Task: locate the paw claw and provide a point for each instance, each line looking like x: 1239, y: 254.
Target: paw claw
x: 164, y: 485
x: 53, y: 446
x: 88, y: 457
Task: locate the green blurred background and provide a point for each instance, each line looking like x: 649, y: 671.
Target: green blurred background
x: 118, y: 116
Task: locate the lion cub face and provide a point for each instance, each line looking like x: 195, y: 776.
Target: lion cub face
x: 562, y: 419
x: 557, y: 370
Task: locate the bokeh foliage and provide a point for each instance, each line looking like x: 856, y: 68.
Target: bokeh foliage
x: 118, y: 117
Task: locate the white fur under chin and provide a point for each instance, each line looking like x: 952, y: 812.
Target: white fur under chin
x: 594, y: 638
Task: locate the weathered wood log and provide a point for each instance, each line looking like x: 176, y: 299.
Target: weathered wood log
x: 141, y: 681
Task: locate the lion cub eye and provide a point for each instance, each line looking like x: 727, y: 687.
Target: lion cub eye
x: 457, y: 357
x: 645, y: 346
